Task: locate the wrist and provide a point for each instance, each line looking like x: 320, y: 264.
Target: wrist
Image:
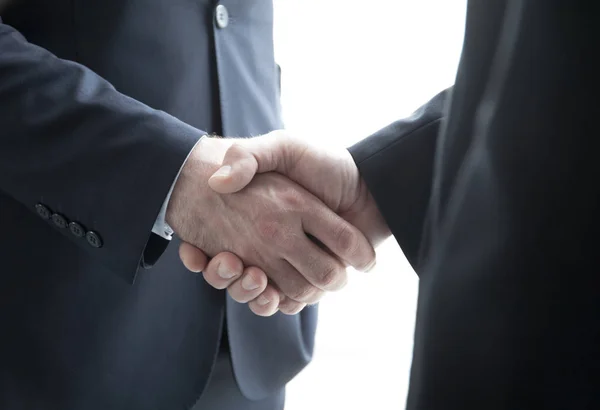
x: 371, y: 221
x: 206, y: 157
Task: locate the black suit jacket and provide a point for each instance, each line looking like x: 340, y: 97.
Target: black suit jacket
x: 492, y: 191
x: 100, y: 103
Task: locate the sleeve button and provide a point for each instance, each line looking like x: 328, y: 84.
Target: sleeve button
x: 59, y: 221
x: 93, y: 239
x: 43, y: 211
x: 76, y: 229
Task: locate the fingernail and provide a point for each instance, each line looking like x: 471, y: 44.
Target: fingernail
x: 249, y: 283
x: 262, y: 300
x: 371, y: 266
x: 224, y: 171
x: 225, y: 273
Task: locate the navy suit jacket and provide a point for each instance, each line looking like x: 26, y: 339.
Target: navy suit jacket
x: 101, y: 102
x: 491, y: 189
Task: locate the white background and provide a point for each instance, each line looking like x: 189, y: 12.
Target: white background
x: 351, y: 67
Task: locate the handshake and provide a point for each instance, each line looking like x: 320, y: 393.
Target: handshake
x: 281, y: 220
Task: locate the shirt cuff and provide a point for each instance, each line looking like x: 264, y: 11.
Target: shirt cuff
x: 161, y: 227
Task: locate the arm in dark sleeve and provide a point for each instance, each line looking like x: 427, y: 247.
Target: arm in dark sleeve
x: 397, y: 165
x: 70, y: 141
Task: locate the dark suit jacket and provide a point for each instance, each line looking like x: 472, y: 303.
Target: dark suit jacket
x: 492, y: 191
x: 101, y: 149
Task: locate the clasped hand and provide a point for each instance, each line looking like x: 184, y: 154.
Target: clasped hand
x: 281, y: 220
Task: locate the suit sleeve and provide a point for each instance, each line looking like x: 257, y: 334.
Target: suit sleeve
x: 397, y: 165
x: 70, y: 141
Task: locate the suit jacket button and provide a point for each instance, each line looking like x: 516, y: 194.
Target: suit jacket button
x: 43, y: 211
x: 94, y: 239
x: 76, y: 229
x: 59, y: 221
x: 222, y: 16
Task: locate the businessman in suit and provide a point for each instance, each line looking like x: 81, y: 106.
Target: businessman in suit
x: 105, y: 108
x: 491, y: 189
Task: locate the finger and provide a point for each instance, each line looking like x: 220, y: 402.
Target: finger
x: 320, y: 268
x: 249, y: 286
x: 223, y: 270
x: 293, y: 284
x: 340, y: 237
x: 324, y: 248
x: 267, y: 303
x: 288, y: 306
x: 193, y: 258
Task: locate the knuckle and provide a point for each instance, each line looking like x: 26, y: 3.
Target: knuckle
x: 332, y: 277
x: 292, y: 198
x: 346, y: 240
x: 305, y: 293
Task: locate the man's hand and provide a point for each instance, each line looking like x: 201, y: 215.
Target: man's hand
x: 249, y: 285
x: 331, y: 176
x: 266, y: 226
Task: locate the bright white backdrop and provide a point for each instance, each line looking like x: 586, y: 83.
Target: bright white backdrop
x: 351, y: 67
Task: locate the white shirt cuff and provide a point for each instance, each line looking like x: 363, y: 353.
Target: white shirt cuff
x: 161, y: 227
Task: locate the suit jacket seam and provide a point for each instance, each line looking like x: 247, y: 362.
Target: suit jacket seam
x: 401, y: 139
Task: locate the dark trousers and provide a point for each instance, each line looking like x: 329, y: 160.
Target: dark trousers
x: 222, y: 392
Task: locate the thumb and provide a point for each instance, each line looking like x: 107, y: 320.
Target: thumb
x: 237, y: 170
x: 247, y: 157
